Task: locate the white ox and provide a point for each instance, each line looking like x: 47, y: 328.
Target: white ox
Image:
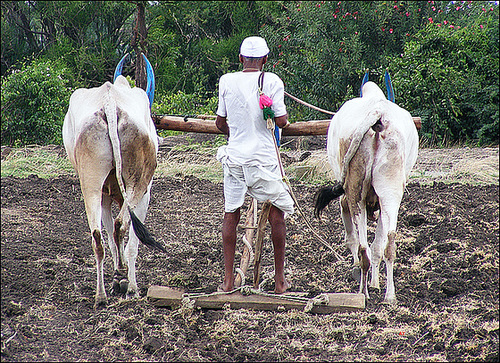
x: 372, y: 145
x: 112, y: 143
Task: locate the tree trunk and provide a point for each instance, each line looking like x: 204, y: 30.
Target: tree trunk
x: 139, y: 44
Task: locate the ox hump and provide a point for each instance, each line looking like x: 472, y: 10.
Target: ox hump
x: 371, y: 90
x: 121, y: 81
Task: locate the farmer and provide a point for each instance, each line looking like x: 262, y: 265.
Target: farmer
x: 250, y: 159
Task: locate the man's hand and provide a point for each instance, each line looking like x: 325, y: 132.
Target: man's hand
x: 221, y: 124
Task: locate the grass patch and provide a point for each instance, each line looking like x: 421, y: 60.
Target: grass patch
x: 44, y: 161
x: 192, y: 159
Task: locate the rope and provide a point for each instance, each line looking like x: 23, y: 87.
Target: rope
x: 292, y: 194
x: 240, y: 272
x: 309, y: 105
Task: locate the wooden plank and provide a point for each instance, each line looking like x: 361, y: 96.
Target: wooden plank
x: 206, y: 125
x: 163, y: 296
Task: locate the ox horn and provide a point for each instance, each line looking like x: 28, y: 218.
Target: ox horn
x: 150, y: 88
x: 119, y: 67
x: 365, y: 79
x: 388, y: 86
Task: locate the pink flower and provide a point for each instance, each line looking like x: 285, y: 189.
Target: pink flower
x: 265, y: 101
x: 390, y: 30
x: 431, y: 21
x: 445, y: 22
x: 481, y: 26
x: 407, y: 14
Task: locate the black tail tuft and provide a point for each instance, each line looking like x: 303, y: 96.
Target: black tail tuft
x: 143, y: 234
x: 326, y: 195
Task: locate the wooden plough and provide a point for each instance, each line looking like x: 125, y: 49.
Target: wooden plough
x: 248, y: 297
x: 245, y: 296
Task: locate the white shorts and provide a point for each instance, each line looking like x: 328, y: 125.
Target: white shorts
x: 261, y: 182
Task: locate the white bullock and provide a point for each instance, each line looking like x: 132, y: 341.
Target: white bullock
x: 111, y: 141
x: 372, y: 145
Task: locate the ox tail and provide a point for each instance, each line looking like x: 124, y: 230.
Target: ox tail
x: 143, y: 234
x: 325, y: 195
x: 372, y: 120
x: 139, y: 228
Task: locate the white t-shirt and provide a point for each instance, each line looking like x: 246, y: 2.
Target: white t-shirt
x: 250, y: 141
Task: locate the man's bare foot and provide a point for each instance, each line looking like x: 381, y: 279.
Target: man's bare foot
x: 225, y: 288
x: 281, y: 286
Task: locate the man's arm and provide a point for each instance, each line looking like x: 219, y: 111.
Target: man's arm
x: 221, y: 124
x: 281, y: 121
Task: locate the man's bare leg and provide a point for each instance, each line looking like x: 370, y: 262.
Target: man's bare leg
x: 229, y: 225
x: 278, y: 236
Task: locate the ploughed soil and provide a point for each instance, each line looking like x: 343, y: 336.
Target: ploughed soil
x: 446, y: 276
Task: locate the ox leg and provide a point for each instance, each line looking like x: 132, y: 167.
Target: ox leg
x: 384, y: 243
x: 114, y: 243
x: 364, y: 252
x: 356, y: 241
x: 93, y: 209
x: 351, y: 237
x: 376, y: 249
x: 107, y: 221
x: 389, y: 257
x: 131, y: 251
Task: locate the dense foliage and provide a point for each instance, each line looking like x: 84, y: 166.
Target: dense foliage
x: 34, y: 102
x: 442, y: 56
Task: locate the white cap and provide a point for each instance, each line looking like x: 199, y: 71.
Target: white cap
x: 254, y: 47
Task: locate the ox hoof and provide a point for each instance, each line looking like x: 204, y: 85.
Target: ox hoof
x: 100, y: 302
x: 120, y: 286
x: 356, y: 273
x: 132, y: 295
x: 390, y: 301
x: 124, y: 286
x: 116, y: 287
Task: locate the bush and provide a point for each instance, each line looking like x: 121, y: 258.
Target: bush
x: 182, y: 104
x: 34, y: 102
x: 449, y: 77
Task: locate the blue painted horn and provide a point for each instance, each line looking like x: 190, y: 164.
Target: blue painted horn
x: 119, y: 67
x: 150, y: 88
x: 365, y: 79
x: 388, y: 86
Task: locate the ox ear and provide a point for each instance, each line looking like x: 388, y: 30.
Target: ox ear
x: 388, y: 86
x: 150, y: 88
x: 365, y: 79
x: 119, y: 67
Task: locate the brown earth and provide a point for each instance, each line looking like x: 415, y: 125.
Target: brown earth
x: 446, y: 275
